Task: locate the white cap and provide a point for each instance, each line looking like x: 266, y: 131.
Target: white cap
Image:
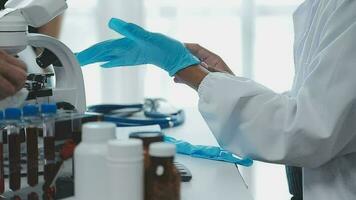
x: 98, y: 132
x: 161, y: 149
x: 125, y: 150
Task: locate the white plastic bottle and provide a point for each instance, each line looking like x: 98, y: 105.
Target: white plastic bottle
x: 90, y: 169
x: 125, y: 166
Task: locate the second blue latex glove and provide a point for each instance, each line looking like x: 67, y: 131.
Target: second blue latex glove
x: 207, y: 152
x: 138, y: 47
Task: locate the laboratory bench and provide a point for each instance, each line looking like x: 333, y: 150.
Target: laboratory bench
x: 211, y: 180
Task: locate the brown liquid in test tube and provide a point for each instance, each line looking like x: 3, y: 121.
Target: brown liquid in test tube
x: 49, y: 154
x: 32, y: 155
x: 2, y: 181
x: 16, y: 198
x: 15, y: 160
x: 33, y: 196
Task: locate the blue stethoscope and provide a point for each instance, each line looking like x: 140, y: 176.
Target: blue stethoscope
x: 151, y: 114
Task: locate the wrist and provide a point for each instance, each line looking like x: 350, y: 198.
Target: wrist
x: 192, y: 76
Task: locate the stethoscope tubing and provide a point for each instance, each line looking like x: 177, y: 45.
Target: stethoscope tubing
x: 154, y: 118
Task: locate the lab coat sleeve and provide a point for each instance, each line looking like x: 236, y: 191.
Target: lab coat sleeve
x: 307, y: 130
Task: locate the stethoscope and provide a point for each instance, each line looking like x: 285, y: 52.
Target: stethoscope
x: 124, y: 115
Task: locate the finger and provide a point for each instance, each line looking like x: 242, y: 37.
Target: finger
x: 16, y: 76
x: 196, y: 48
x: 104, y: 51
x: 178, y: 80
x: 12, y: 60
x: 193, y: 48
x: 129, y: 30
x: 203, y: 64
x: 199, y: 51
x: 6, y: 88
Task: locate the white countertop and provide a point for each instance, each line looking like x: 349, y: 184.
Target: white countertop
x: 211, y: 180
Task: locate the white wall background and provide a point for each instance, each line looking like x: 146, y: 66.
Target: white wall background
x: 255, y: 37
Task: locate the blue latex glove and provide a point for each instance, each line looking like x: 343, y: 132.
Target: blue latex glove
x: 139, y: 47
x: 207, y: 152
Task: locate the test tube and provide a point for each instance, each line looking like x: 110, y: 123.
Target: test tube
x: 76, y: 121
x: 2, y: 126
x: 12, y: 117
x: 33, y: 196
x: 32, y: 122
x: 49, y: 112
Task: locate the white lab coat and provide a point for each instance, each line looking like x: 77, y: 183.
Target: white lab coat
x: 313, y: 125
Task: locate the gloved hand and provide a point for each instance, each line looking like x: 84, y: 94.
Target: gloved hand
x: 139, y: 47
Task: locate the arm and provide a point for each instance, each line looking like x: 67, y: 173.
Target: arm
x: 53, y: 28
x: 192, y: 76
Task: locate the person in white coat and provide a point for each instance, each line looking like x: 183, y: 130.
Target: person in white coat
x: 312, y: 126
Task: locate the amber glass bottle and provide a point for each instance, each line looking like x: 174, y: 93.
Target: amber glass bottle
x: 147, y: 139
x: 163, y: 179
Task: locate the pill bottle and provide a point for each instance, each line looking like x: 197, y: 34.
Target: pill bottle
x: 90, y: 174
x: 125, y: 166
x: 147, y: 139
x: 163, y: 179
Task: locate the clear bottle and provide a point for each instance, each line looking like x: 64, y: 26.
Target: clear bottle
x: 125, y: 167
x: 90, y: 161
x: 48, y: 115
x: 163, y: 179
x: 2, y: 180
x: 32, y: 122
x: 13, y: 126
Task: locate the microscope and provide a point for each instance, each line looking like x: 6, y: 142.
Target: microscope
x: 67, y: 88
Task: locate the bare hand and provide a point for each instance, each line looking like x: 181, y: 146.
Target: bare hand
x: 12, y: 75
x: 210, y: 61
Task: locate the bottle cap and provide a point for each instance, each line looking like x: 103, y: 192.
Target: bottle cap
x: 49, y: 108
x: 161, y: 149
x: 30, y: 110
x: 1, y: 115
x: 148, y: 137
x: 125, y: 150
x: 12, y: 114
x: 98, y: 132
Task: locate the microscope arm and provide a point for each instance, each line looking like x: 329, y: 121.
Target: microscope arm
x: 69, y: 78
